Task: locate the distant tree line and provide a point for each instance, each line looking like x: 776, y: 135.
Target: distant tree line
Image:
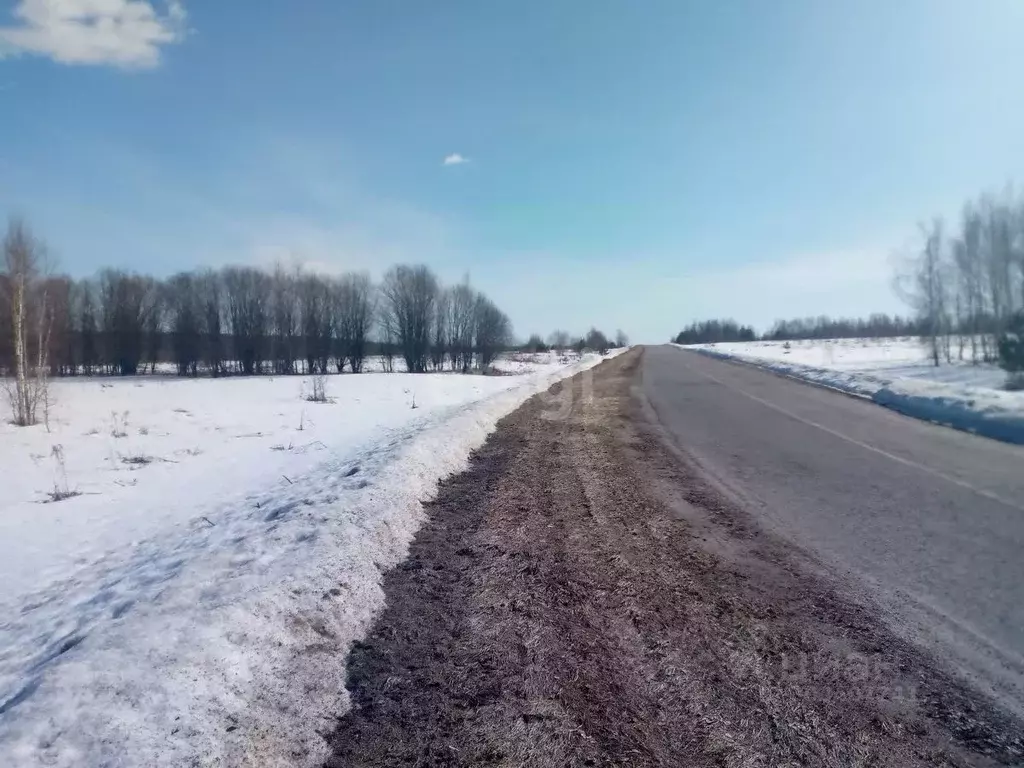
x: 714, y: 332
x: 594, y: 340
x: 966, y: 285
x: 876, y: 326
x: 235, y: 320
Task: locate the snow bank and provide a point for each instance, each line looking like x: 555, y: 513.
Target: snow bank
x: 197, y: 610
x: 987, y: 412
x: 897, y: 374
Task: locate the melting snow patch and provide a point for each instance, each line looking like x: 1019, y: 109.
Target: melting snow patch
x: 202, y: 614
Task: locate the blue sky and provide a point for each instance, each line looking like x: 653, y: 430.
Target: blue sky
x: 626, y: 164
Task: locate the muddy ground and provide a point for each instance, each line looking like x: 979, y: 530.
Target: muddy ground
x: 581, y: 595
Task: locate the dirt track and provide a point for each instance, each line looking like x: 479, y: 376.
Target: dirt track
x: 582, y: 596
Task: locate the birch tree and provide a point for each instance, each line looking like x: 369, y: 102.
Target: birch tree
x: 26, y: 300
x: 923, y: 285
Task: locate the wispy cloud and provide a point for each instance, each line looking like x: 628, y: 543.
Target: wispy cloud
x: 455, y: 159
x: 122, y: 33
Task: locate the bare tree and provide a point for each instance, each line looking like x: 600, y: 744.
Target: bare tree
x: 247, y: 299
x: 26, y: 300
x: 439, y: 331
x: 6, y: 327
x: 339, y: 342
x: 970, y: 283
x: 317, y: 310
x: 408, y: 295
x: 1019, y: 252
x: 128, y: 306
x: 185, y: 315
x: 461, y: 301
x: 621, y: 339
x: 355, y: 304
x: 493, y: 331
x: 924, y: 286
x: 997, y: 222
x: 1011, y: 351
x: 152, y: 323
x: 596, y: 341
x: 209, y: 305
x: 61, y: 354
x: 388, y: 335
x: 535, y: 344
x: 284, y: 317
x: 88, y: 329
x: 560, y: 340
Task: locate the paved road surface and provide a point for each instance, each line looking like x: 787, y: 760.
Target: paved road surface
x: 925, y: 520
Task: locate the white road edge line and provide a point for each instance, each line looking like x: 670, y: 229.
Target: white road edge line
x: 866, y: 446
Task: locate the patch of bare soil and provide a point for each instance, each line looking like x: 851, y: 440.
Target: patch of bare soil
x: 582, y: 596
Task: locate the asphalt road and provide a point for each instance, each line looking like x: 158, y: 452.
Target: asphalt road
x: 922, y: 520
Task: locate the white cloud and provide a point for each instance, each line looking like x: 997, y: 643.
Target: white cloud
x: 455, y: 159
x: 123, y: 33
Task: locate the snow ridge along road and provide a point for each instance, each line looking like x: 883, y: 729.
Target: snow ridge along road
x: 207, y: 624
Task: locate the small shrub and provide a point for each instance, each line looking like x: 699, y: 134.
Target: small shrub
x: 118, y: 424
x: 319, y: 391
x: 60, y: 490
x: 1014, y: 382
x: 494, y: 371
x: 58, y: 494
x: 1011, y: 348
x: 137, y: 460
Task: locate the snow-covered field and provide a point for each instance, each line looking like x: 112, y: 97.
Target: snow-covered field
x: 896, y: 373
x: 193, y: 603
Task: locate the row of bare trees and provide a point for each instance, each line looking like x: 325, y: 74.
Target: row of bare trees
x: 233, y: 320
x: 714, y: 332
x: 967, y: 285
x: 240, y: 320
x: 878, y: 325
x: 875, y: 326
x: 563, y: 340
x: 433, y: 327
